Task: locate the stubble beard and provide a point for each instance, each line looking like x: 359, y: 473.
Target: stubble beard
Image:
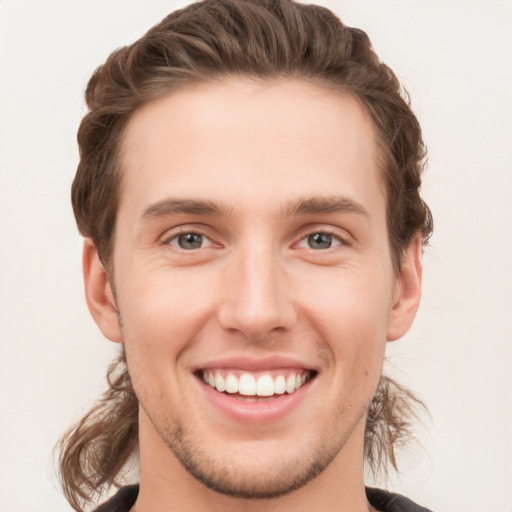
x: 278, y: 477
x: 239, y: 481
x: 241, y: 478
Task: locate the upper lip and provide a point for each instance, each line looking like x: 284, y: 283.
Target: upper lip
x: 255, y: 364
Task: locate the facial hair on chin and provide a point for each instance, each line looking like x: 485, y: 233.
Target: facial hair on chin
x: 235, y: 480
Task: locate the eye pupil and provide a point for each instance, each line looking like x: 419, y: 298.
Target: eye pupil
x: 320, y: 241
x: 190, y: 241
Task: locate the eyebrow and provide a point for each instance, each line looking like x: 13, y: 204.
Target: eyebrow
x: 172, y: 206
x: 330, y: 204
x: 301, y: 206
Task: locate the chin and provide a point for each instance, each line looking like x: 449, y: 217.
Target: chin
x: 247, y: 476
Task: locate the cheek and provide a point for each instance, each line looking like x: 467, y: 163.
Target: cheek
x: 163, y: 301
x: 161, y: 317
x: 353, y: 301
x: 352, y: 318
x: 159, y: 324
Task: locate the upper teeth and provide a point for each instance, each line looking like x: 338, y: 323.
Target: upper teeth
x: 255, y: 385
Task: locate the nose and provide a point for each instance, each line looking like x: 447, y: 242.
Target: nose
x: 256, y: 297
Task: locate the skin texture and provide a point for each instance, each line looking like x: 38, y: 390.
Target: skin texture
x: 254, y: 169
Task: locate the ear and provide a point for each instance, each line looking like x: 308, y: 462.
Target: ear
x: 99, y: 295
x: 407, y: 292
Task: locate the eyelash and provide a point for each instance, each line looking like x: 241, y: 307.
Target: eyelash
x: 322, y: 231
x: 341, y: 241
x: 176, y: 234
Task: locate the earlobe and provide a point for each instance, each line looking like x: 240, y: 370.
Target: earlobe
x: 98, y: 293
x: 408, y: 292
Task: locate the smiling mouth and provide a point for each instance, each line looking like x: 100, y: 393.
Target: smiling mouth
x: 244, y: 385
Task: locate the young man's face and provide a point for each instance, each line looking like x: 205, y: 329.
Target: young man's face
x: 251, y: 251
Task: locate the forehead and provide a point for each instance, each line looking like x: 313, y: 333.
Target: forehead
x: 241, y: 140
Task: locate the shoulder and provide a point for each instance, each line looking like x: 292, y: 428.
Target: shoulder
x: 385, y: 501
x: 123, y: 501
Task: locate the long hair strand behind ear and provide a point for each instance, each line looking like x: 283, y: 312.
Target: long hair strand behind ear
x: 94, y: 452
x: 392, y: 415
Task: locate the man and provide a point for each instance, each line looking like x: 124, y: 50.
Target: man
x: 248, y: 191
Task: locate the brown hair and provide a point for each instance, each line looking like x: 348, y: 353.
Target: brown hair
x: 204, y: 42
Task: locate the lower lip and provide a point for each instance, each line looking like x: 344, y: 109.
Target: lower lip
x: 257, y: 411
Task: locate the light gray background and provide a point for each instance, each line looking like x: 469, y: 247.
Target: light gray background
x: 455, y: 59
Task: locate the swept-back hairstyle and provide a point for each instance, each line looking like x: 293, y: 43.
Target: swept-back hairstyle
x: 206, y: 42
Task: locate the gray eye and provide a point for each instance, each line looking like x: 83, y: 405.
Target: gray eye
x: 320, y: 241
x: 190, y: 241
